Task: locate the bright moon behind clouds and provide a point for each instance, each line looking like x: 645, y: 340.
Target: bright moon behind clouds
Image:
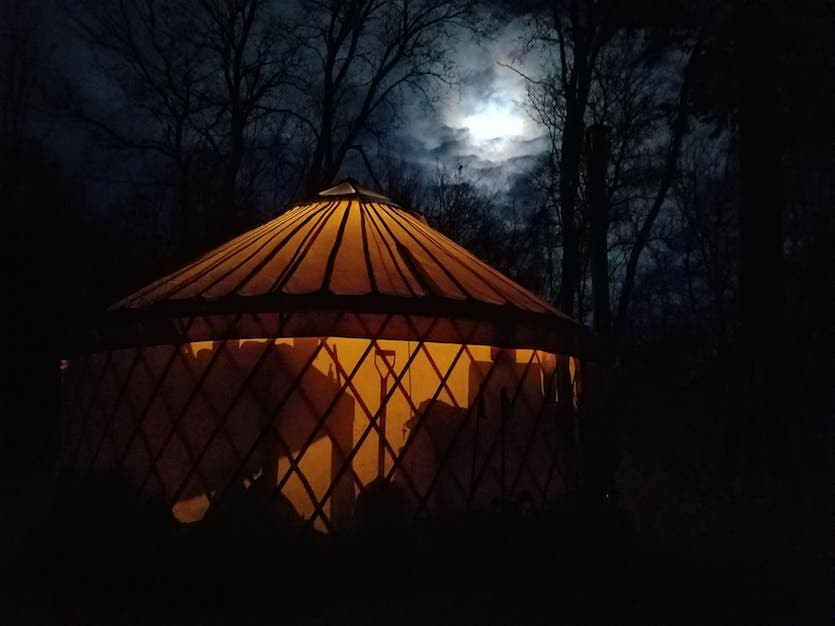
x: 483, y: 123
x: 496, y: 120
x: 491, y: 107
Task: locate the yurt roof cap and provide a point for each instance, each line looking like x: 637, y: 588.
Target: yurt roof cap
x: 348, y: 263
x: 349, y: 188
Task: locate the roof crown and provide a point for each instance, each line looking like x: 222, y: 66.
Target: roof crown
x: 349, y: 188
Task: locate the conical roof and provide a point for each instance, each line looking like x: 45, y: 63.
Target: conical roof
x: 353, y: 250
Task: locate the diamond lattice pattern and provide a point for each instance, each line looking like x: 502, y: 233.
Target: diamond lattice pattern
x: 309, y: 423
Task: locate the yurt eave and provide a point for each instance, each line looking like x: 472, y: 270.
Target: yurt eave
x: 324, y: 314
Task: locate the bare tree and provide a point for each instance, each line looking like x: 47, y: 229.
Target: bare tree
x: 578, y: 30
x: 458, y: 206
x: 361, y: 55
x: 403, y: 182
x: 601, y: 76
x: 144, y: 52
x: 704, y: 193
x: 615, y: 86
x: 678, y: 126
x: 245, y: 68
x: 22, y: 57
x: 192, y: 81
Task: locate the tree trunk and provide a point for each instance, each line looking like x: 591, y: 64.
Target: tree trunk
x: 229, y: 209
x: 184, y: 225
x: 569, y: 280
x: 597, y: 138
x: 570, y: 152
x: 761, y: 283
x: 571, y: 148
x: 678, y: 130
x: 600, y: 442
x: 313, y: 182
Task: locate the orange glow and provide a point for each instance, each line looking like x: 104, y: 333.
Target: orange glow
x: 191, y: 509
x: 195, y: 348
x: 301, y: 417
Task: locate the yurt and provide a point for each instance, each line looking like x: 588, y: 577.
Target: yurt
x: 341, y: 346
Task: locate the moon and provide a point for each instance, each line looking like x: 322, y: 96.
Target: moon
x: 495, y: 121
x: 487, y: 120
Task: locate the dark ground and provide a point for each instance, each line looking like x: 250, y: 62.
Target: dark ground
x: 687, y: 547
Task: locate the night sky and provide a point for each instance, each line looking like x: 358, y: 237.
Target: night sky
x: 480, y: 120
x: 480, y: 117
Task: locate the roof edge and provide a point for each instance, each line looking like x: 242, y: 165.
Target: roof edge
x: 433, y: 320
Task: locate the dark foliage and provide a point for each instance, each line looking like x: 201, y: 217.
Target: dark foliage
x: 106, y: 555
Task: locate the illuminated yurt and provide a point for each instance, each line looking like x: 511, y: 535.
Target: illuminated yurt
x: 343, y: 345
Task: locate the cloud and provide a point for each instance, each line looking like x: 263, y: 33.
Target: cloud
x: 483, y: 123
